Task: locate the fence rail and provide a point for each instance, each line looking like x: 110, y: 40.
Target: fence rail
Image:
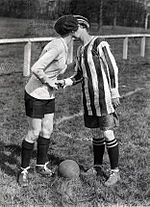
x: 29, y: 41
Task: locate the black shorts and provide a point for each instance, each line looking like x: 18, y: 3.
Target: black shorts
x: 36, y: 108
x: 107, y: 122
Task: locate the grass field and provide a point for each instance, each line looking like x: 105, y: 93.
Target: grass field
x: 70, y: 138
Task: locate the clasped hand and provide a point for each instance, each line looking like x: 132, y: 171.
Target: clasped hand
x: 56, y: 84
x: 60, y: 83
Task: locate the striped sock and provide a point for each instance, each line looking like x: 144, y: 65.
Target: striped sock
x: 113, y: 152
x: 98, y: 150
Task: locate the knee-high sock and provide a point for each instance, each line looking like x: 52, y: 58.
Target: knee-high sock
x: 98, y: 150
x: 113, y: 152
x: 42, y: 150
x: 26, y: 153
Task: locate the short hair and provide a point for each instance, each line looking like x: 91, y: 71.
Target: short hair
x: 66, y: 24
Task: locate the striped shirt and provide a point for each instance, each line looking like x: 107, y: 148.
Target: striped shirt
x: 97, y: 69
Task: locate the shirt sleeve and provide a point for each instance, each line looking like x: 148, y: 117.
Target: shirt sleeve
x: 45, y: 59
x: 112, y: 69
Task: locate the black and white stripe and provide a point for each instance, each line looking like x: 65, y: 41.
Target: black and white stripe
x: 98, y: 142
x: 111, y: 144
x: 99, y: 73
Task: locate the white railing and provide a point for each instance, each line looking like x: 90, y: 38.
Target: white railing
x: 28, y: 41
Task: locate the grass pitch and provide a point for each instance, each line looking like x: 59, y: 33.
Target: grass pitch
x: 72, y: 140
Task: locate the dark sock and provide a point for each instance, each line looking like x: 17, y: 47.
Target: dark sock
x: 113, y: 152
x: 42, y: 150
x: 98, y: 150
x: 26, y: 153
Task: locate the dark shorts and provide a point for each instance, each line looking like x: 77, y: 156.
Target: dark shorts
x: 36, y: 108
x: 107, y: 122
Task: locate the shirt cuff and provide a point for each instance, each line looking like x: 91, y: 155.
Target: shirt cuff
x: 115, y: 93
x: 68, y: 82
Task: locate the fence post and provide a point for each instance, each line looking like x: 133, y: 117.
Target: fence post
x: 143, y: 47
x: 27, y: 59
x: 70, y: 53
x: 125, y: 48
x: 147, y: 50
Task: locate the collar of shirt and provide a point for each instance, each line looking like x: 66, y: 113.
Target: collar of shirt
x: 65, y: 45
x: 90, y: 39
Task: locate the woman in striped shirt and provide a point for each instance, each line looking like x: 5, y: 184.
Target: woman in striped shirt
x: 96, y: 68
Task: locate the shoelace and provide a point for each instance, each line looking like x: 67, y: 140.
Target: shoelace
x: 25, y: 171
x: 46, y: 168
x: 112, y: 172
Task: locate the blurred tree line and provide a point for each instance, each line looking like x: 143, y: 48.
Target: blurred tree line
x: 103, y: 12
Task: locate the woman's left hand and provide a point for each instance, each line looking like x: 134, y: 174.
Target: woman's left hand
x: 115, y: 102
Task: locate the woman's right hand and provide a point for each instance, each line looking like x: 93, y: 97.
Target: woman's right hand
x: 64, y: 83
x: 52, y: 84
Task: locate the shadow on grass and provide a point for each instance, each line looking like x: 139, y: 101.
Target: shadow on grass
x: 10, y: 154
x: 8, y: 158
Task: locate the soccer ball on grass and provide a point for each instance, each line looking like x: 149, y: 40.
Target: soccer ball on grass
x: 69, y: 169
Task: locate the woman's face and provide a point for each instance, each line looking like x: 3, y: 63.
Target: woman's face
x: 77, y: 34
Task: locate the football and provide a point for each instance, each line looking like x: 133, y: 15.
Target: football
x: 69, y: 169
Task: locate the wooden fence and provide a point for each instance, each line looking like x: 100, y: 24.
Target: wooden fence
x: 28, y: 43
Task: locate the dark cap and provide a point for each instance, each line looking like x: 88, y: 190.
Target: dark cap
x: 66, y: 24
x: 82, y: 20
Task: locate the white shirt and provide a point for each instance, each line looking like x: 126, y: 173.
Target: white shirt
x: 52, y: 62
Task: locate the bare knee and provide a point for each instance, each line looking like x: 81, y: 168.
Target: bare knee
x: 32, y: 135
x: 47, y: 130
x: 109, y: 135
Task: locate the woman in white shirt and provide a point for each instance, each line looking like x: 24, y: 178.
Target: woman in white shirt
x: 40, y: 98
